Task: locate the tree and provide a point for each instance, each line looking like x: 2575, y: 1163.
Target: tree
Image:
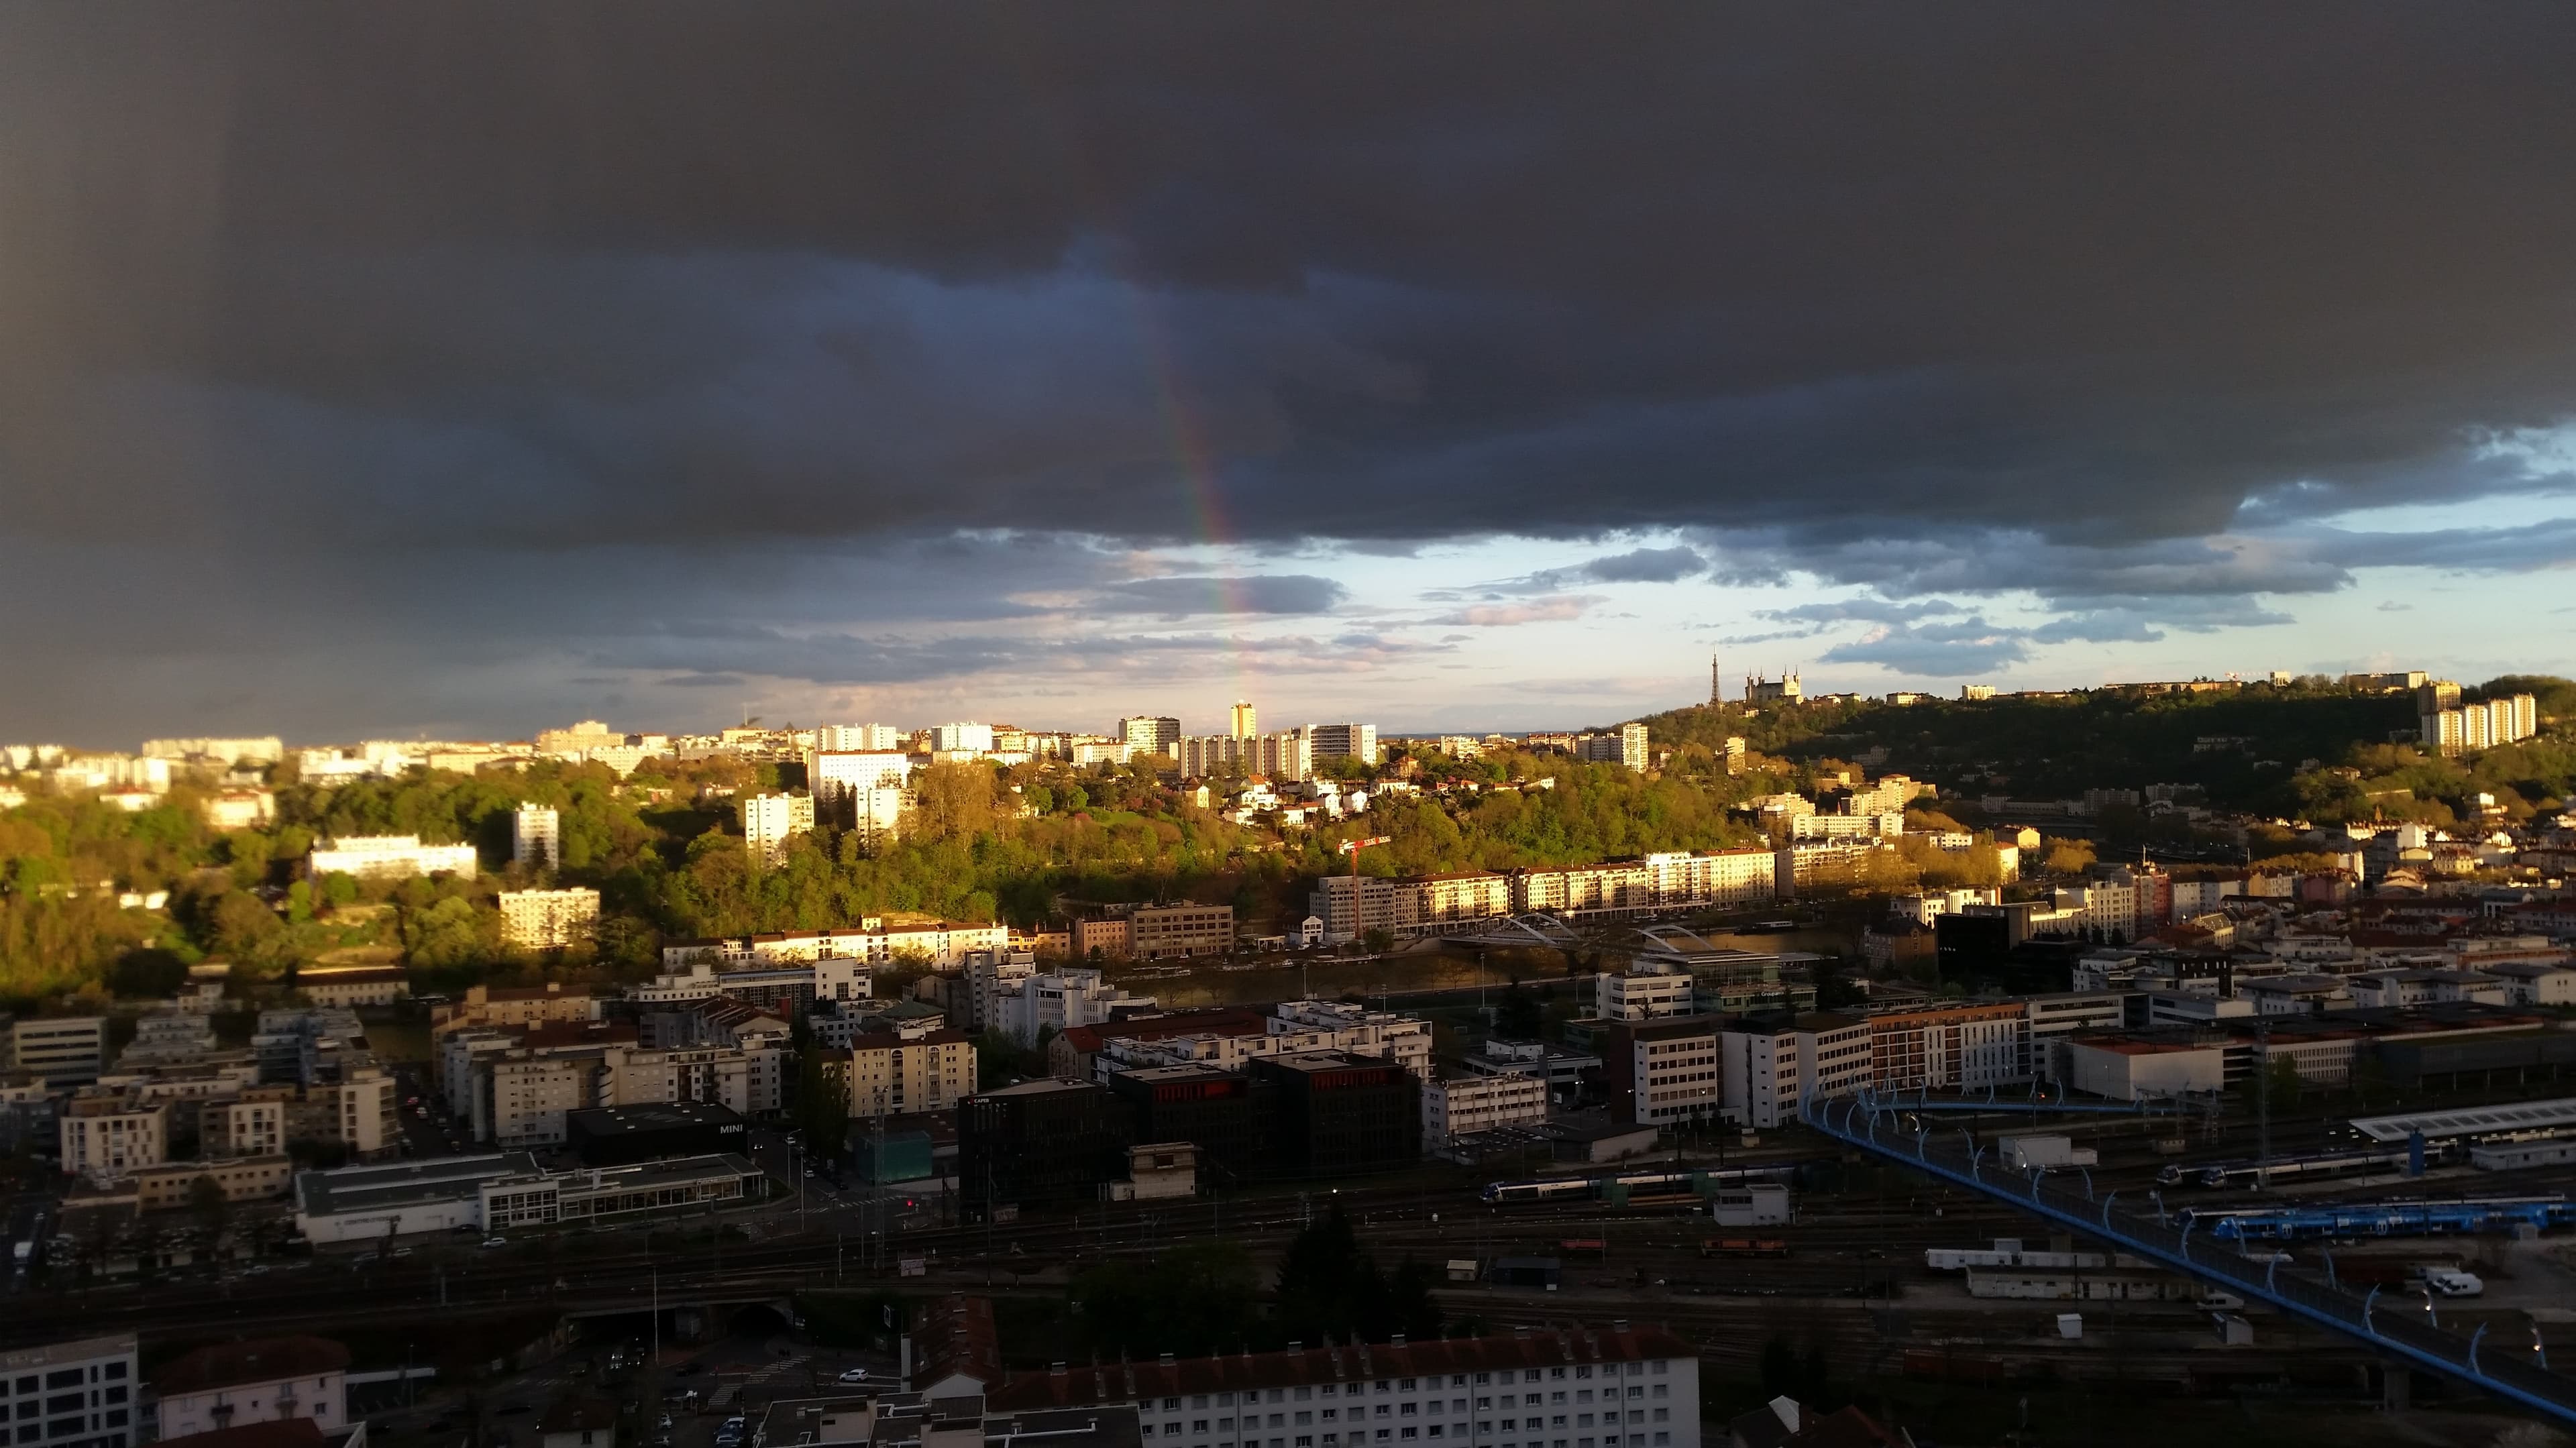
x: 212, y: 1209
x: 1518, y: 1015
x: 822, y: 1101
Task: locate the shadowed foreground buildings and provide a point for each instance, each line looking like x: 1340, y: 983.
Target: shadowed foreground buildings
x: 1564, y: 1387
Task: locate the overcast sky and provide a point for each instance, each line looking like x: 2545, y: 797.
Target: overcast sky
x: 460, y: 370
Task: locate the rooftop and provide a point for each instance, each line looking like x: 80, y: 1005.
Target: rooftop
x: 651, y: 1116
x: 1521, y: 1348
x: 260, y: 1360
x: 371, y: 1188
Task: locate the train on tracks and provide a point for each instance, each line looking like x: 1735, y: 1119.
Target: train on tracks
x: 2399, y: 1218
x: 1635, y: 1187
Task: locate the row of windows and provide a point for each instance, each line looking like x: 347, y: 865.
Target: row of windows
x: 1580, y: 1372
x: 1304, y: 1419
x: 1662, y: 1439
x: 71, y: 1377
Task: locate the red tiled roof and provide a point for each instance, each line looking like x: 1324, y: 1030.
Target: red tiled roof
x: 1127, y: 1382
x: 956, y: 1335
x: 260, y: 1360
x: 268, y: 1433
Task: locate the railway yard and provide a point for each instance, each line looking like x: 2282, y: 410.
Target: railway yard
x: 1851, y: 1277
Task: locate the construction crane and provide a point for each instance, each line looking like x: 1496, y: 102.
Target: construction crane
x: 1352, y: 848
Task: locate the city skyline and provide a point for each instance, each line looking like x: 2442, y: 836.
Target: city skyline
x: 1413, y: 376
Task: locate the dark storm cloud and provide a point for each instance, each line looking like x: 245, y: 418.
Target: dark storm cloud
x: 1276, y: 593
x: 2110, y: 304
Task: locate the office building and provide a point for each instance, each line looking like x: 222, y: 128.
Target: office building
x: 1150, y: 734
x: 59, y: 1050
x: 1456, y: 1106
x: 1217, y: 1110
x: 79, y: 1394
x: 1239, y: 722
x: 769, y: 821
x: 1950, y: 1048
x: 1037, y: 1144
x: 1340, y: 1113
x: 1622, y: 1386
x: 619, y: 1135
x: 1640, y: 997
x: 548, y: 919
x: 390, y: 857
x: 536, y: 837
x: 1774, y: 1063
x: 262, y: 1380
x: 1663, y: 1072
x: 1345, y: 741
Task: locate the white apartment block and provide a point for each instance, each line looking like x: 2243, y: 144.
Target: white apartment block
x: 59, y: 1050
x: 1621, y: 885
x: 1297, y: 1027
x: 992, y: 978
x: 1465, y: 1105
x: 390, y: 857
x: 240, y: 809
x: 1625, y: 746
x: 1353, y: 905
x: 548, y: 919
x: 103, y: 1138
x: 536, y: 837
x: 262, y: 1380
x: 1665, y: 1073
x: 1770, y: 1069
x: 961, y: 738
x: 858, y: 738
x: 1722, y: 877
x: 942, y: 943
x: 770, y: 820
x: 80, y: 1394
x: 1061, y: 1000
x: 1545, y: 1387
x: 265, y: 749
x: 1150, y: 734
x: 1640, y: 997
x: 1847, y: 826
x: 833, y: 774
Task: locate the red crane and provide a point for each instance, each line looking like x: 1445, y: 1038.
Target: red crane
x: 1352, y: 848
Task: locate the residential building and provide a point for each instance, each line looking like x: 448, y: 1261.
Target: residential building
x: 58, y: 1050
x: 1773, y: 1064
x: 864, y: 738
x: 1716, y: 877
x: 1622, y: 886
x: 1288, y: 757
x: 842, y: 957
x: 770, y: 820
x: 548, y: 919
x: 1239, y: 722
x: 1949, y: 1048
x: 1456, y: 1106
x: 104, y: 1137
x: 263, y: 749
x: 891, y: 1075
x: 1213, y: 756
x: 1150, y: 734
x: 1072, y: 996
x: 993, y: 979
x: 961, y: 738
x: 536, y: 837
x: 863, y: 790
x: 1511, y: 1378
x: 1076, y: 1054
x: 239, y: 809
x: 84, y: 1393
x: 260, y: 1380
x: 389, y: 857
x: 242, y: 1179
x: 1345, y: 741
x: 2533, y: 983
x: 1625, y: 746
x: 348, y: 987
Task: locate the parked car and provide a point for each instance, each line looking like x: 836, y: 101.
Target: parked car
x: 496, y: 1241
x: 855, y: 1375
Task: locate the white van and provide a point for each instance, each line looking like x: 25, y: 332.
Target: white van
x: 2451, y: 1282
